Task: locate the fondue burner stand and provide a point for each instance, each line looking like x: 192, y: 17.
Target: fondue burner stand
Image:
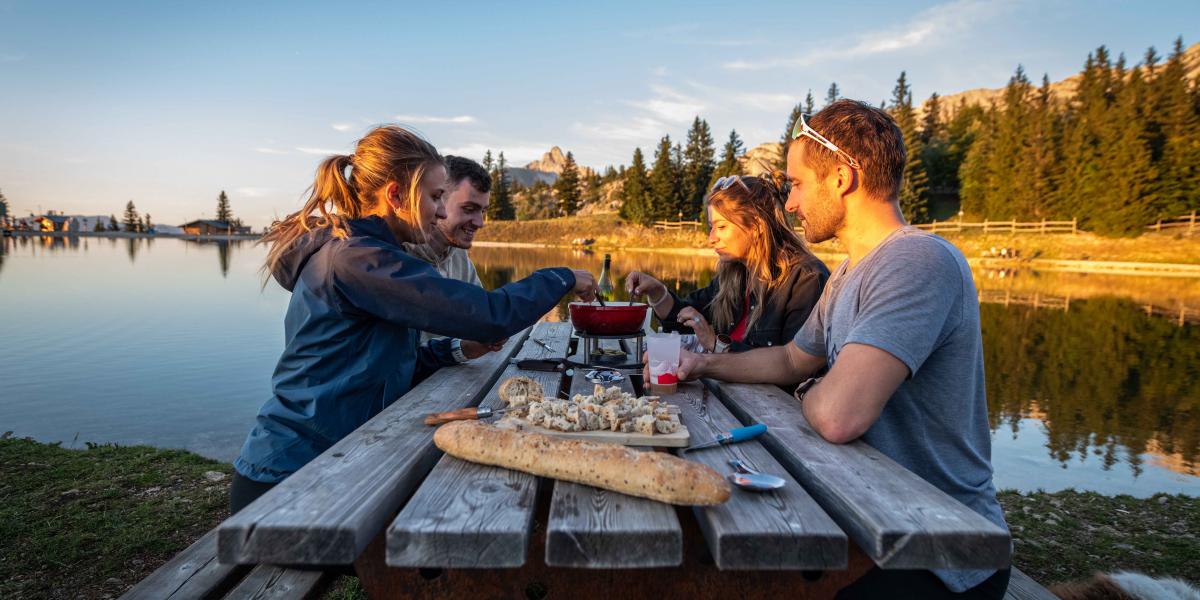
x: 591, y: 343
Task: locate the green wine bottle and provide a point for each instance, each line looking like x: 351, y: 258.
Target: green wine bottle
x: 605, y: 285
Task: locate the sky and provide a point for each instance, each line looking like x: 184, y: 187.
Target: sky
x: 168, y: 103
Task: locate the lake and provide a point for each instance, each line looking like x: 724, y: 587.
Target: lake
x: 1093, y: 381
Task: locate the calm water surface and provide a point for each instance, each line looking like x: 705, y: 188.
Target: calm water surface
x: 1093, y: 381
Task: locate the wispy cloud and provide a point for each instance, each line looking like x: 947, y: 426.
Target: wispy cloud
x: 253, y: 192
x: 319, y: 151
x: 630, y: 130
x: 6, y: 57
x: 765, y: 101
x: 931, y: 26
x: 264, y: 150
x: 343, y: 127
x: 461, y: 119
x: 668, y: 104
x: 515, y: 154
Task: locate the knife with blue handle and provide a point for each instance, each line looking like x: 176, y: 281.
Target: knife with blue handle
x: 734, y: 436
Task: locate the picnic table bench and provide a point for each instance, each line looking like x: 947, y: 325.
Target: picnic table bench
x: 417, y: 523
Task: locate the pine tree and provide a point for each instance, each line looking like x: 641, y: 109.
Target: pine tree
x: 832, y: 95
x: 488, y: 163
x: 1132, y: 178
x: 913, y: 201
x: 974, y: 179
x: 99, y: 226
x: 697, y: 168
x: 787, y: 131
x: 1044, y: 147
x: 664, y: 188
x: 223, y: 213
x: 635, y: 194
x: 132, y: 222
x: 1081, y: 187
x: 147, y: 224
x: 113, y: 223
x: 810, y: 106
x: 1179, y: 113
x: 567, y: 188
x: 935, y: 151
x: 501, y: 205
x: 730, y: 154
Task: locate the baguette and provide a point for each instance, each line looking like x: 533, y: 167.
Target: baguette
x: 653, y: 475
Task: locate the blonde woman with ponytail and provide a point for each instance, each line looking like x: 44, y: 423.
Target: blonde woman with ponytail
x: 767, y: 282
x: 359, y: 303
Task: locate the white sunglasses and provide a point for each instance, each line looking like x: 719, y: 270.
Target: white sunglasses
x: 725, y: 183
x: 801, y: 128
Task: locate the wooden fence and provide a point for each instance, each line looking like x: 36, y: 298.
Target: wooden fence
x: 987, y: 226
x: 1187, y: 223
x: 677, y: 225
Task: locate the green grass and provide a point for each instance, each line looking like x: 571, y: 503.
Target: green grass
x: 1070, y: 535
x: 91, y: 522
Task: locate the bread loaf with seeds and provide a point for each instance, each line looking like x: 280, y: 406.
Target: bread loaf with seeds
x: 653, y: 475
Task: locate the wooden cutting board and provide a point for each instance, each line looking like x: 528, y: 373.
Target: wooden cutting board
x: 679, y: 439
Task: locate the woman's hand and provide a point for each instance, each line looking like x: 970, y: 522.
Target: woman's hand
x: 638, y: 283
x: 585, y: 285
x: 472, y: 349
x: 690, y: 317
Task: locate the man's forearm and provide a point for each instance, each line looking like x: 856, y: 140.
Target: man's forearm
x: 762, y: 365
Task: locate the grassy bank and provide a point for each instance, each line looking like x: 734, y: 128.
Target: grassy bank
x: 609, y: 231
x: 89, y: 523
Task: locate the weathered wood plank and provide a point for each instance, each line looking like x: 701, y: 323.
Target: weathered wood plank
x: 900, y: 520
x: 600, y: 529
x: 781, y: 529
x: 193, y: 574
x: 267, y: 581
x: 467, y: 515
x: 330, y: 509
x: 1022, y: 587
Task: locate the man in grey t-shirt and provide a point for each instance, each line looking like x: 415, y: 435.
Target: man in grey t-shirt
x: 897, y: 326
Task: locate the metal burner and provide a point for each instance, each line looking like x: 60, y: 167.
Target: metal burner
x: 596, y: 356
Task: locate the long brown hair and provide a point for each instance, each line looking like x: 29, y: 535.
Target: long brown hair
x: 775, y: 249
x: 388, y: 153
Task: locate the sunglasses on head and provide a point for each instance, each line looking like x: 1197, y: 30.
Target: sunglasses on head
x: 725, y: 183
x: 801, y: 128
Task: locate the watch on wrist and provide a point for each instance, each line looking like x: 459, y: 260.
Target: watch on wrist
x: 457, y: 352
x: 722, y: 344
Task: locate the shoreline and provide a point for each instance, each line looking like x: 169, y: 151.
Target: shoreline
x: 1113, y: 267
x: 133, y: 235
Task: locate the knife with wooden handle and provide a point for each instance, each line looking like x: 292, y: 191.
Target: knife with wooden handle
x: 464, y: 414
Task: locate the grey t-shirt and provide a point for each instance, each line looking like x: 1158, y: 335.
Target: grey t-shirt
x: 913, y: 297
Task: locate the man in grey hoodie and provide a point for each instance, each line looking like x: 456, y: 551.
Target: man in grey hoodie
x: 467, y: 197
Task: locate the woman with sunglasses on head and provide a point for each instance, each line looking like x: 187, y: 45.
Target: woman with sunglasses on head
x: 767, y: 281
x: 359, y: 303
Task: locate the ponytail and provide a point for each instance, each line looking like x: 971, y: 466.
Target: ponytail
x: 345, y: 187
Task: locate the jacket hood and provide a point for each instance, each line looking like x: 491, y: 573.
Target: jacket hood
x: 291, y: 264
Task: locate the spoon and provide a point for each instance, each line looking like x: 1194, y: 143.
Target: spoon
x: 749, y: 479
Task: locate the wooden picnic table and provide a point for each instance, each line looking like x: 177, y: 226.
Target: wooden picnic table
x: 416, y: 523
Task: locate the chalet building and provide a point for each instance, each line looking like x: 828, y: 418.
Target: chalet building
x: 209, y: 227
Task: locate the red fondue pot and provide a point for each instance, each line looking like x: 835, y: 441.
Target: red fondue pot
x: 608, y: 320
